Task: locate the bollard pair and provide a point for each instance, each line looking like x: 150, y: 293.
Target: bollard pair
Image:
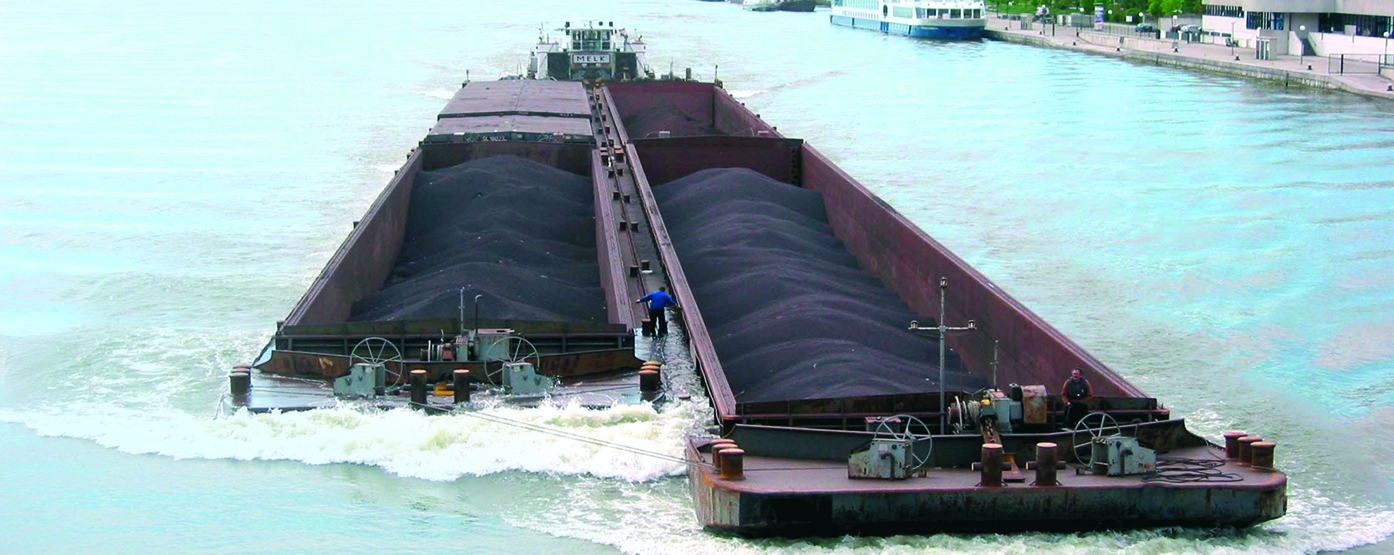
x: 728, y: 459
x: 240, y: 383
x: 650, y: 381
x: 1249, y: 450
x: 1246, y: 449
x: 1047, y: 458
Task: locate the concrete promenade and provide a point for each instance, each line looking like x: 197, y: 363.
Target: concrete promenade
x: 1289, y: 70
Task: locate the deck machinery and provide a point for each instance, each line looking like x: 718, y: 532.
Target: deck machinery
x: 996, y: 459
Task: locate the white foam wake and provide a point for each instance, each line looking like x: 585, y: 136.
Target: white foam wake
x: 402, y: 442
x: 742, y: 95
x: 439, y: 93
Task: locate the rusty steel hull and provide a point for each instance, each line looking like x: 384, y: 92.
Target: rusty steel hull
x: 887, y: 245
x: 798, y: 486
x: 323, y: 366
x: 734, y: 507
x: 795, y: 481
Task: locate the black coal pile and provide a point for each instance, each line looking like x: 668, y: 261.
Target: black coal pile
x: 663, y: 116
x: 790, y: 312
x: 518, y: 232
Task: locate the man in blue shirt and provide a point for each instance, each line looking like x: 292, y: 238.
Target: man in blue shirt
x: 658, y: 300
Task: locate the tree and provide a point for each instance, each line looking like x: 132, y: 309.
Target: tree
x: 1159, y: 8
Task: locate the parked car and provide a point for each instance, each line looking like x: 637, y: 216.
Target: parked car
x: 1146, y: 28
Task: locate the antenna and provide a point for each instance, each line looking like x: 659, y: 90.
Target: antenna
x: 942, y: 331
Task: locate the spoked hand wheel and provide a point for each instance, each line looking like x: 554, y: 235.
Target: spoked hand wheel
x: 376, y: 350
x: 909, y: 434
x: 519, y: 350
x: 1091, y: 426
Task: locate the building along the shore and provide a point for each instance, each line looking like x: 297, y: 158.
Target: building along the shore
x: 1328, y: 27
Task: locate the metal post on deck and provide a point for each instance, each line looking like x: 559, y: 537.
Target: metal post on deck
x: 995, y: 344
x: 943, y: 294
x: 944, y: 330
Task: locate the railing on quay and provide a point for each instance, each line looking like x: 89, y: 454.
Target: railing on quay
x: 1342, y: 64
x: 1125, y: 30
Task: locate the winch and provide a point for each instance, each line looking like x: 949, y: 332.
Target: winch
x: 506, y: 359
x: 1110, y: 453
x: 993, y: 412
x: 902, y: 445
x: 1121, y: 456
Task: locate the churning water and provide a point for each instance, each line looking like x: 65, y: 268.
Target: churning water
x: 173, y: 175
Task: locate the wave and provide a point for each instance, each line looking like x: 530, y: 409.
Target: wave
x: 742, y: 95
x: 401, y: 441
x: 439, y: 93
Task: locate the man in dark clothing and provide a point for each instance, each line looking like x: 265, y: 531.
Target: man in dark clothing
x: 659, y: 300
x: 1076, y: 393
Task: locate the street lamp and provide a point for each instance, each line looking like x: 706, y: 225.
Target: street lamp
x: 1231, y: 38
x: 1385, y: 57
x: 1301, y: 35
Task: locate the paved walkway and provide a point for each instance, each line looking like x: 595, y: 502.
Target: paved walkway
x: 1209, y: 57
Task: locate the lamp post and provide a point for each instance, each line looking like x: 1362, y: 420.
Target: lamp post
x: 1302, y: 36
x: 1231, y: 38
x: 1386, y: 51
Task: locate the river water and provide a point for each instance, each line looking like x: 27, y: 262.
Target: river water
x: 173, y: 175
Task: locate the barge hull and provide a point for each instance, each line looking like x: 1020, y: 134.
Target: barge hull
x: 886, y: 244
x: 795, y: 480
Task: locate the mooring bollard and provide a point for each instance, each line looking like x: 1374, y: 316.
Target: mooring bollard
x: 649, y: 381
x: 418, y: 388
x: 462, y: 385
x: 1246, y: 456
x: 240, y: 382
x: 1262, y: 454
x: 716, y: 453
x: 1047, y: 456
x: 1232, y: 444
x: 992, y: 465
x: 732, y: 463
x: 716, y: 446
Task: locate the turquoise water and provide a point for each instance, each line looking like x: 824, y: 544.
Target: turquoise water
x: 172, y: 176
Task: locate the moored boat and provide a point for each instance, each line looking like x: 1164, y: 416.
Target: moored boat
x: 935, y: 19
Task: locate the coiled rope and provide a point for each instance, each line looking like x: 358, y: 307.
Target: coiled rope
x: 1182, y: 470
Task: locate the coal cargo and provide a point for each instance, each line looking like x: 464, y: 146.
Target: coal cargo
x: 790, y: 313
x: 662, y: 116
x: 517, y: 232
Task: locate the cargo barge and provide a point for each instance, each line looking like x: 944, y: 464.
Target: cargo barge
x: 864, y: 378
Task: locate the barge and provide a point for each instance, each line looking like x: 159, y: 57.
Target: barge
x: 864, y: 379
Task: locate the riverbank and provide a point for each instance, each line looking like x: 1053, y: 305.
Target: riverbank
x: 1307, y: 71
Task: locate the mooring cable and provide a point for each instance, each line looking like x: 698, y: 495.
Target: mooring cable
x: 1181, y: 470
